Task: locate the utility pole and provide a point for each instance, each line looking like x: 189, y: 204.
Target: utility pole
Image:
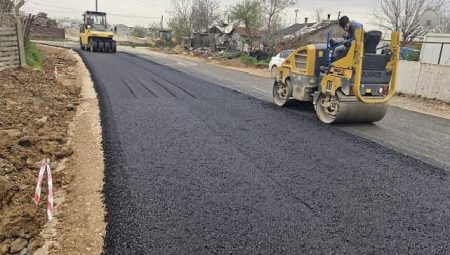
x: 296, y: 11
x: 96, y: 5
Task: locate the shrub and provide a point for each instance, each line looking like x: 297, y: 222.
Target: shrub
x: 33, y: 56
x: 413, y: 55
x: 248, y: 60
x: 263, y: 63
x: 138, y: 31
x: 169, y: 44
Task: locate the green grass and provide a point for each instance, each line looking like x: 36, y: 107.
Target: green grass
x: 251, y: 61
x: 33, y: 56
x: 248, y: 60
x: 263, y: 63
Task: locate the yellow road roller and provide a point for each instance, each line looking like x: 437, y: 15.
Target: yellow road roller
x: 351, y: 88
x: 94, y: 34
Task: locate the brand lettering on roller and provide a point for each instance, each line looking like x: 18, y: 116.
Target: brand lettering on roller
x: 371, y: 74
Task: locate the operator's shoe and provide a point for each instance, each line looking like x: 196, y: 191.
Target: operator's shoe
x: 324, y: 69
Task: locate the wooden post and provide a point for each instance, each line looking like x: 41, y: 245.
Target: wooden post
x: 20, y: 39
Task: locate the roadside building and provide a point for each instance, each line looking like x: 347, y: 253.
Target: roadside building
x: 165, y: 35
x: 316, y: 33
x: 122, y: 29
x: 240, y: 39
x: 292, y: 30
x: 217, y: 37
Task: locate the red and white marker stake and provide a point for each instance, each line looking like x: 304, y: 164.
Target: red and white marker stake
x: 37, y: 196
x: 56, y: 72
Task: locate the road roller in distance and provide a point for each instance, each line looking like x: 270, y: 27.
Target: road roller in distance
x: 352, y: 88
x: 94, y: 33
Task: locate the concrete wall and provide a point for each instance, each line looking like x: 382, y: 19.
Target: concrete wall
x: 432, y: 53
x: 426, y: 80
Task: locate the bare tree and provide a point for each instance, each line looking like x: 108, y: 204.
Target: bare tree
x: 404, y: 15
x: 193, y: 16
x: 445, y: 23
x: 443, y: 9
x: 272, y: 10
x: 276, y: 35
x: 205, y: 13
x: 139, y: 31
x: 181, y: 22
x: 153, y: 29
x: 436, y: 5
x: 319, y: 14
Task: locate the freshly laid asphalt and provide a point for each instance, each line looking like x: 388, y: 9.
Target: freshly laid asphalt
x: 192, y: 167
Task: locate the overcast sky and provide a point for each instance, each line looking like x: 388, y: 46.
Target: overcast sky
x: 143, y: 12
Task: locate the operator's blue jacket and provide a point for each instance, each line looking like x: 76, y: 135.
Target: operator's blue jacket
x: 351, y: 32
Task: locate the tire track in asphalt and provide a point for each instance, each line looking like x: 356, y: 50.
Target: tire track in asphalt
x: 164, y: 87
x: 129, y: 87
x: 163, y: 78
x: 142, y: 83
x: 146, y: 88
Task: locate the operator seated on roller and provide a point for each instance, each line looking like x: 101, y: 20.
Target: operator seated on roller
x: 350, y: 28
x: 90, y: 21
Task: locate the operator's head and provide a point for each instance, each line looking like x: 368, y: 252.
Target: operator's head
x: 344, y: 22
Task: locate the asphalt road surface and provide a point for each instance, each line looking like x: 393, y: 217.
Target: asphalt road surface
x: 194, y: 166
x: 418, y: 135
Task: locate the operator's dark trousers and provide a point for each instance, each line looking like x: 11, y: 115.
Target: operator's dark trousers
x: 341, y: 50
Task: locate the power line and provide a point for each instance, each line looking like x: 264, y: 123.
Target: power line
x: 72, y: 10
x: 138, y: 4
x: 52, y: 6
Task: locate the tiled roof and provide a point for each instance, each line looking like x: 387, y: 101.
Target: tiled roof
x: 242, y: 31
x: 295, y: 28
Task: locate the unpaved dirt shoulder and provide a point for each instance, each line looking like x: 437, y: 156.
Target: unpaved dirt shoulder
x: 36, y: 108
x: 80, y: 226
x: 422, y: 105
x: 233, y: 64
